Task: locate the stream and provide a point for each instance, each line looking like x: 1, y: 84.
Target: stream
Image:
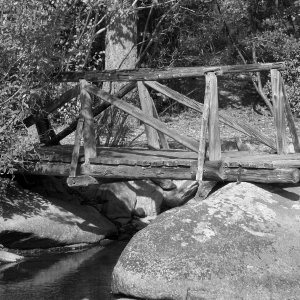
x: 73, y: 275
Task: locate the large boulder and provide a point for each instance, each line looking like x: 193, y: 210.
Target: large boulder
x: 242, y: 242
x: 29, y: 220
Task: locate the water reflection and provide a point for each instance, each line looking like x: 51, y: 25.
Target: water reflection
x: 82, y: 275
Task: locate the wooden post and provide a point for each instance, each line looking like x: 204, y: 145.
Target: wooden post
x: 213, y: 124
x: 290, y: 120
x: 88, y: 127
x: 278, y: 103
x: 75, y: 154
x: 203, y: 131
x: 147, y: 108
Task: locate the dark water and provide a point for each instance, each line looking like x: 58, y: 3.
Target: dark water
x: 80, y: 275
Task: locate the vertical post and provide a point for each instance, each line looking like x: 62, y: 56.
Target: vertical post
x: 86, y: 113
x: 76, y: 149
x: 290, y: 120
x: 147, y: 107
x: 278, y: 104
x: 213, y: 124
x: 203, y: 131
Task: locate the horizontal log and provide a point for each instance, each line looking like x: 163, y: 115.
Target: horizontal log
x: 57, y: 103
x: 262, y: 175
x: 188, y: 142
x: 212, y: 171
x: 224, y: 117
x: 159, y: 74
x: 264, y: 161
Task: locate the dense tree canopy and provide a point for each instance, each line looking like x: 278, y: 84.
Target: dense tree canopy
x: 42, y: 38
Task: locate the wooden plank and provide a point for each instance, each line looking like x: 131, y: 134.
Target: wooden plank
x: 224, y: 117
x: 86, y: 113
x: 213, y: 122
x: 137, y: 113
x: 278, y: 104
x: 203, y: 131
x: 75, y: 154
x: 160, y: 74
x: 262, y: 175
x: 290, y: 119
x: 96, y: 111
x: 147, y: 108
x: 64, y: 98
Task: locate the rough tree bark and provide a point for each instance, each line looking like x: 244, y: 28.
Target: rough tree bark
x: 120, y: 53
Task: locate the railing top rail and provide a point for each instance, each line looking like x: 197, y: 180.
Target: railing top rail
x: 165, y: 73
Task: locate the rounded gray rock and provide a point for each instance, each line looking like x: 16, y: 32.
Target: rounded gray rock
x: 243, y: 242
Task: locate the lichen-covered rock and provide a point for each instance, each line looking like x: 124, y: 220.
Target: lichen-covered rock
x: 29, y: 220
x: 243, y: 242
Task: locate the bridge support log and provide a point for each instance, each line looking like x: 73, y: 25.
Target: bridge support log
x: 203, y: 132
x: 89, y: 137
x: 213, y: 122
x: 262, y: 175
x: 279, y: 117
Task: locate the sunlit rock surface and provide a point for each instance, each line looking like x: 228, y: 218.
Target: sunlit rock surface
x: 28, y: 220
x: 243, y: 242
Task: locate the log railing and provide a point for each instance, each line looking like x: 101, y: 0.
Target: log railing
x: 156, y: 130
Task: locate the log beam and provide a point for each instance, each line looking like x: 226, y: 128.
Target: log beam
x: 160, y: 74
x: 279, y: 117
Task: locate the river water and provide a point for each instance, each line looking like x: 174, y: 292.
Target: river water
x: 73, y: 275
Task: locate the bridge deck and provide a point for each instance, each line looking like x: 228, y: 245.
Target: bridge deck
x: 139, y: 163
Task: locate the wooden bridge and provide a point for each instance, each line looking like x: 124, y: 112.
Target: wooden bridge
x: 83, y: 163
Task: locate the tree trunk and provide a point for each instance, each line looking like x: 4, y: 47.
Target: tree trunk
x: 120, y: 53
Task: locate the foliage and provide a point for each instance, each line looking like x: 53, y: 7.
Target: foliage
x: 40, y: 38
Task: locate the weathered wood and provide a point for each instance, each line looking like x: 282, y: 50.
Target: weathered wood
x: 213, y: 122
x: 89, y: 137
x: 203, y: 131
x: 147, y: 108
x: 64, y: 98
x: 75, y: 154
x: 224, y: 117
x: 262, y: 175
x: 96, y: 111
x: 162, y: 137
x: 137, y: 113
x: 264, y: 161
x: 159, y: 74
x: 290, y: 119
x: 278, y: 103
x: 212, y: 171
